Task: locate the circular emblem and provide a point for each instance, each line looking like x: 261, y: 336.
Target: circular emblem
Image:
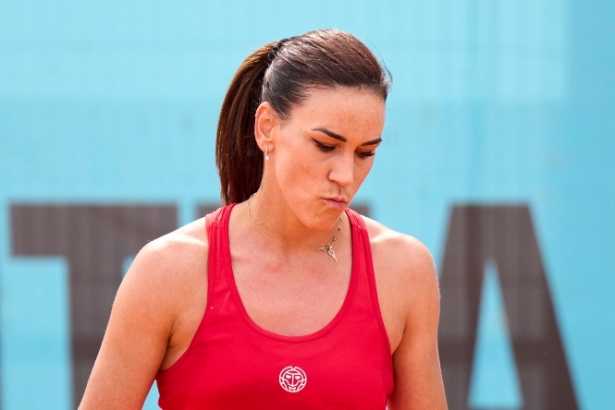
x: 292, y: 379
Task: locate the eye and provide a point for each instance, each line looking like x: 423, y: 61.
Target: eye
x: 364, y: 155
x: 323, y: 147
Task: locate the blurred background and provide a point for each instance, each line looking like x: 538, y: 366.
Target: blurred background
x: 499, y: 155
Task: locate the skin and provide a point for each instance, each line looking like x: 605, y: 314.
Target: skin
x: 285, y: 285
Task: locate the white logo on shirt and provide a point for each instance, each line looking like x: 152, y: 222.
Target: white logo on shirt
x: 292, y: 379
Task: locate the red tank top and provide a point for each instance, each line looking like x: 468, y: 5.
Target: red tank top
x: 232, y: 363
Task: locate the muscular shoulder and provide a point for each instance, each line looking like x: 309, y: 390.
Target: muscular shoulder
x: 176, y: 254
x: 403, y: 266
x: 404, y: 255
x: 168, y: 270
x: 410, y: 304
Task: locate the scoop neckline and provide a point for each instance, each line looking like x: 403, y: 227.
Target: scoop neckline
x: 276, y: 336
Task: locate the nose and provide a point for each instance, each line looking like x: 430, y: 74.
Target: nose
x: 342, y: 171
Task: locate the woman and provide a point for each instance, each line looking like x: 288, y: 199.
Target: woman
x: 307, y: 304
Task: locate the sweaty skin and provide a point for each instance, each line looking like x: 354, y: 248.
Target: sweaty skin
x: 285, y: 285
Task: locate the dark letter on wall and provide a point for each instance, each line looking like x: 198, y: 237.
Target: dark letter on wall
x: 95, y: 240
x: 505, y: 236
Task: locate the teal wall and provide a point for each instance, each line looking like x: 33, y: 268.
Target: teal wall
x: 494, y: 101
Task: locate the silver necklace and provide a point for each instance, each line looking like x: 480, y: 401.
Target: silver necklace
x: 327, y: 247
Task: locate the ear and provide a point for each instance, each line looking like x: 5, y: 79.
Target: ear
x: 264, y: 121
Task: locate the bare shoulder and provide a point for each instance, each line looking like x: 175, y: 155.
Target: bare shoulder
x: 169, y: 269
x: 406, y: 281
x: 403, y: 257
x: 164, y: 292
x: 176, y: 253
x: 409, y: 298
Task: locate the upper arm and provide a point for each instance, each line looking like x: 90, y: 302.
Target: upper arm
x: 141, y: 322
x: 418, y: 378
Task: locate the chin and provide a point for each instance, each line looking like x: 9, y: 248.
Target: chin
x: 321, y: 214
x: 327, y: 216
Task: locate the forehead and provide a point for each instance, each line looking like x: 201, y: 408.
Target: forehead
x: 352, y: 111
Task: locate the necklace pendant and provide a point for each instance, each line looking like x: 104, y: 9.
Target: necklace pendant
x: 331, y: 253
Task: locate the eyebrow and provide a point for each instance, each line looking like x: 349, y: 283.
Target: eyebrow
x: 343, y: 139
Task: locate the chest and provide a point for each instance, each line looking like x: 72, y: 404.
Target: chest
x: 297, y: 300
x: 305, y: 295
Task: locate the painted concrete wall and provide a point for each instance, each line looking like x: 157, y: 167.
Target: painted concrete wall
x: 500, y: 117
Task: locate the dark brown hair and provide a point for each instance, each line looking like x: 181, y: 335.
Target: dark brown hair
x: 281, y: 73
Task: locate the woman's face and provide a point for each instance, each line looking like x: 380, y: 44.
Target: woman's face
x: 322, y: 153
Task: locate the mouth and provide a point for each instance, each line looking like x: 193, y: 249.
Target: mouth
x: 336, y: 202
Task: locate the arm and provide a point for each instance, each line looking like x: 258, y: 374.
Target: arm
x: 418, y: 378
x: 141, y: 324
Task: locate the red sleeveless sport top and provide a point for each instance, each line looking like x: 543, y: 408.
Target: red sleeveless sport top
x: 232, y: 363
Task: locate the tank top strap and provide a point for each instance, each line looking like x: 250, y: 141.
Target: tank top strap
x: 211, y: 219
x: 362, y: 255
x: 216, y: 225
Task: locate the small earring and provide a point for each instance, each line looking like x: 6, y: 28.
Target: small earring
x: 267, y: 153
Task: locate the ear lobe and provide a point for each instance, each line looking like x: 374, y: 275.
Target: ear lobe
x: 264, y: 121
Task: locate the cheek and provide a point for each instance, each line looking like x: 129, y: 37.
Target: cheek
x: 298, y: 176
x: 364, y: 166
x: 298, y: 167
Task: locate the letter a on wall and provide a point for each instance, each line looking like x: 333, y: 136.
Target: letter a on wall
x: 504, y: 236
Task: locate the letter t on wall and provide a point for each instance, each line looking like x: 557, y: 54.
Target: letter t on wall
x: 95, y: 240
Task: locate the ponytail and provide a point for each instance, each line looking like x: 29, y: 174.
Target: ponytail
x: 238, y: 157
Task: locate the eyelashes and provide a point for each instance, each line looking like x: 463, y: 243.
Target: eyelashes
x: 323, y: 147
x: 367, y: 154
x: 327, y: 148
